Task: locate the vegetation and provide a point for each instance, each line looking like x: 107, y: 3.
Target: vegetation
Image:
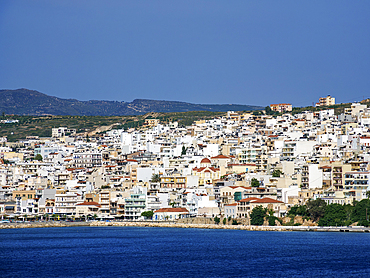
x: 216, y: 219
x: 316, y: 209
x: 155, y: 178
x: 258, y: 215
x: 268, y: 111
x: 183, y: 151
x: 147, y: 214
x: 41, y: 126
x: 224, y: 221
x: 272, y: 220
x: 334, y: 214
x: 27, y: 102
x: 298, y: 210
x: 255, y: 182
x: 360, y: 212
x: 277, y: 173
x: 38, y: 157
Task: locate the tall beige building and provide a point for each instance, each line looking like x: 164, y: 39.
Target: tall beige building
x: 326, y: 101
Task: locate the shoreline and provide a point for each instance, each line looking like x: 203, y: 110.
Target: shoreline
x: 51, y: 224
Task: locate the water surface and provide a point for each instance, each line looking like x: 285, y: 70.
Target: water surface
x: 173, y: 252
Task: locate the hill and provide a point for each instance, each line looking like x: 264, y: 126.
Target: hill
x: 28, y: 102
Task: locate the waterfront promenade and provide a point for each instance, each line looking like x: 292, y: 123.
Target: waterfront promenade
x: 51, y: 224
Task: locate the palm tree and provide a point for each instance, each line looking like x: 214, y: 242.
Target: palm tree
x: 156, y: 178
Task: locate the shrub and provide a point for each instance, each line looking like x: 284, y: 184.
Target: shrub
x: 216, y: 219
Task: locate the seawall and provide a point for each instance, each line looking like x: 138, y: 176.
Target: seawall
x: 182, y: 225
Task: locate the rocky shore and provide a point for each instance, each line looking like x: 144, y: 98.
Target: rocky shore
x: 182, y: 225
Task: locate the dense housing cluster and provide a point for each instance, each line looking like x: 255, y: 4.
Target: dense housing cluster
x: 226, y: 166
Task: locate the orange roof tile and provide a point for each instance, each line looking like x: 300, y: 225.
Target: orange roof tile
x: 172, y: 210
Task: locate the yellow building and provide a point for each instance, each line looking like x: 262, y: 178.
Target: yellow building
x: 173, y: 182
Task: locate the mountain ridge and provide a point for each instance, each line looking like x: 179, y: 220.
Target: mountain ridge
x: 31, y: 102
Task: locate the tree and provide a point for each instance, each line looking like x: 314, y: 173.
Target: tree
x: 216, y: 219
x: 224, y: 221
x: 268, y: 110
x: 156, y: 178
x: 147, y: 214
x: 258, y: 215
x: 272, y: 220
x: 335, y: 215
x: 276, y: 173
x: 360, y: 212
x: 316, y: 209
x: 298, y: 210
x: 255, y: 182
x: 183, y: 151
x: 38, y: 157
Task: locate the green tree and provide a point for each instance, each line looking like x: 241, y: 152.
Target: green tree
x: 360, y: 212
x: 224, y: 221
x: 272, y: 220
x: 216, y: 219
x: 255, y: 182
x: 316, y: 209
x: 298, y: 210
x: 234, y: 222
x: 276, y: 173
x: 147, y: 214
x: 268, y: 110
x: 258, y: 215
x: 156, y: 178
x: 183, y: 151
x: 38, y: 157
x: 335, y: 215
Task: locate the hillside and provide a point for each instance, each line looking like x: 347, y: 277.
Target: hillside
x: 42, y: 125
x: 28, y: 102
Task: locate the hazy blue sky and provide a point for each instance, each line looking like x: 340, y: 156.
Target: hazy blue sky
x: 243, y: 52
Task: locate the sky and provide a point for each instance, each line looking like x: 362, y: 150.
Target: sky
x: 206, y: 52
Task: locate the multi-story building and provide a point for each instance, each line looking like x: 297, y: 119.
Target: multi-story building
x: 281, y: 107
x: 65, y: 203
x: 326, y: 101
x: 87, y: 160
x: 136, y: 204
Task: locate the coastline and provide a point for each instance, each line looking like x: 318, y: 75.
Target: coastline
x: 52, y: 224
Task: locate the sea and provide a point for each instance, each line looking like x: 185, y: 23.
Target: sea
x: 179, y: 252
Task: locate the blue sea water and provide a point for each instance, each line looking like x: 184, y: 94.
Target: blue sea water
x: 172, y: 252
